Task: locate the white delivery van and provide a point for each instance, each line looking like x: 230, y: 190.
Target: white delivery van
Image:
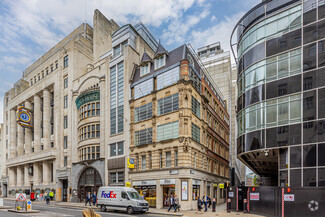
x: 121, y: 198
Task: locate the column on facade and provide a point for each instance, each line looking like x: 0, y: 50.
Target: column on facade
x: 28, y: 132
x: 12, y: 176
x: 46, y: 118
x: 36, y: 174
x: 13, y: 128
x: 46, y: 173
x: 26, y: 175
x: 20, y: 140
x: 20, y: 176
x: 37, y: 123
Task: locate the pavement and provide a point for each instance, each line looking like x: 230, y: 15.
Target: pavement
x: 66, y: 209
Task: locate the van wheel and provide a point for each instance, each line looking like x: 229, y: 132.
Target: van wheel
x: 129, y: 210
x: 103, y: 208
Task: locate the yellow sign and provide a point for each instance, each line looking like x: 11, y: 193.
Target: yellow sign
x: 24, y: 117
x: 128, y: 184
x: 221, y: 185
x: 130, y: 163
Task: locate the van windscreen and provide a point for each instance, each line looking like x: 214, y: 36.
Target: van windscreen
x: 134, y: 195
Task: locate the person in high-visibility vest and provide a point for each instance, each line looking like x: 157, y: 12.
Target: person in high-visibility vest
x: 51, y: 194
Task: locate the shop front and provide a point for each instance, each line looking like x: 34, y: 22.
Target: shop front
x: 168, y: 186
x: 196, y: 189
x: 147, y: 189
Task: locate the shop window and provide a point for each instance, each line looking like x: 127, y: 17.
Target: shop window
x: 196, y: 192
x: 321, y: 154
x: 295, y: 156
x: 295, y: 178
x: 309, y: 155
x: 309, y: 177
x: 321, y: 177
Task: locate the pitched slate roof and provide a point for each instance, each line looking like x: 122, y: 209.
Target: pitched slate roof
x: 145, y: 58
x: 160, y: 50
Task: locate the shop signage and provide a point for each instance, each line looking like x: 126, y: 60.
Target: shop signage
x: 128, y: 184
x: 144, y: 183
x: 196, y: 182
x: 221, y: 186
x: 254, y: 196
x: 167, y: 181
x: 215, y: 185
x: 289, y: 197
x: 173, y: 172
x: 130, y: 163
x: 24, y: 117
x: 184, y: 190
x: 231, y: 194
x: 88, y: 96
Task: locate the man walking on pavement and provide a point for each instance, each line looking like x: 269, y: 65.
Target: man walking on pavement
x: 88, y: 199
x: 176, y: 201
x: 94, y: 196
x: 205, y: 201
x: 172, y: 202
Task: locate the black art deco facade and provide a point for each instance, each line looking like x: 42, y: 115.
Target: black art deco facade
x: 281, y: 91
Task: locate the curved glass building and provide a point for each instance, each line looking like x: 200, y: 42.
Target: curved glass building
x: 280, y: 53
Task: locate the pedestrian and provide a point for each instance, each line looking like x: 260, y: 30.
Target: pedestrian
x: 199, y: 204
x: 172, y: 202
x: 209, y: 201
x: 176, y: 201
x: 205, y: 202
x: 88, y: 198
x: 47, y: 198
x: 37, y: 196
x: 51, y: 194
x: 42, y: 195
x: 94, y: 196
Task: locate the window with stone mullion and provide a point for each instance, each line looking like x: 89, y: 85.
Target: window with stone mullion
x: 196, y: 107
x: 143, y: 112
x: 168, y: 104
x: 143, y: 137
x: 195, y: 133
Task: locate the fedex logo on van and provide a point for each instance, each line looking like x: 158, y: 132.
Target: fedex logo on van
x: 110, y: 194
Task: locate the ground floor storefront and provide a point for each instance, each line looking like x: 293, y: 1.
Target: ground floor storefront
x: 188, y: 185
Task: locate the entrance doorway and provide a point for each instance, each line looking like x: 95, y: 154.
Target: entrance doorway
x: 89, y: 181
x: 65, y: 190
x: 167, y: 191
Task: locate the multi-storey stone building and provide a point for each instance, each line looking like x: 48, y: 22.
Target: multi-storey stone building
x: 77, y: 94
x: 218, y: 64
x: 179, y: 129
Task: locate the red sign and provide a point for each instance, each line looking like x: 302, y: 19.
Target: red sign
x: 254, y: 196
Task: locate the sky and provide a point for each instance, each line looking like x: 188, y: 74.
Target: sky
x: 29, y: 28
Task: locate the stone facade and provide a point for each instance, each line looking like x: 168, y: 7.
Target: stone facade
x: 69, y: 93
x: 186, y: 126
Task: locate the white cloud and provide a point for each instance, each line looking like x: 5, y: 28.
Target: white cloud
x: 220, y: 32
x: 213, y: 18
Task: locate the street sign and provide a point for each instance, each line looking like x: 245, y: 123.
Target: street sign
x: 289, y: 197
x: 20, y: 197
x: 254, y: 196
x: 29, y: 205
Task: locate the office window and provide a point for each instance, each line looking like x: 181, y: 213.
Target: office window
x: 168, y: 159
x: 176, y: 158
x: 168, y: 78
x: 195, y: 133
x: 65, y: 122
x: 117, y: 177
x: 168, y: 104
x: 144, y: 69
x: 65, y: 161
x: 47, y: 71
x: 65, y: 82
x: 143, y: 137
x: 56, y: 64
x: 117, y: 98
x: 143, y: 88
x: 167, y: 131
x: 89, y: 132
x: 196, y: 107
x: 66, y: 61
x: 160, y: 62
x: 143, y: 112
x: 65, y: 142
x: 143, y: 162
x: 90, y: 109
x: 117, y: 149
x: 66, y: 101
x: 51, y: 67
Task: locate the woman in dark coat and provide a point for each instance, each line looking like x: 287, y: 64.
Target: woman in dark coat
x: 199, y: 204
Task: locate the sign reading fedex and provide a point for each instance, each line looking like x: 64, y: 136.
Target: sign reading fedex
x: 110, y: 194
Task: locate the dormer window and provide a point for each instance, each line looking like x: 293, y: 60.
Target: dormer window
x: 144, y: 69
x: 160, y: 62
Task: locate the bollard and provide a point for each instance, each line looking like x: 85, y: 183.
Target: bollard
x: 228, y: 205
x: 214, y: 205
x: 245, y: 206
